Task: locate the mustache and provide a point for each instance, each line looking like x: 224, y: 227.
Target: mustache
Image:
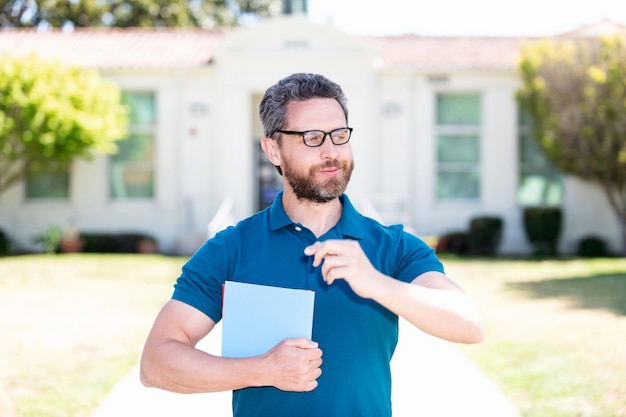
x: 330, y: 164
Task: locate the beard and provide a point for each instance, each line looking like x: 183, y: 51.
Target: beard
x: 306, y: 188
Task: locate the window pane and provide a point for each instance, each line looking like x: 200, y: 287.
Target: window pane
x: 141, y: 107
x: 458, y: 185
x: 532, y: 154
x: 524, y: 119
x: 458, y: 109
x: 131, y: 181
x: 540, y: 190
x: 459, y: 148
x: 49, y: 185
x: 132, y: 167
x: 540, y: 183
x: 138, y: 147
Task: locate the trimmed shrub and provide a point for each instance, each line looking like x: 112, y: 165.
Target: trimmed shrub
x: 543, y: 229
x: 485, y: 234
x: 5, y: 243
x: 592, y: 247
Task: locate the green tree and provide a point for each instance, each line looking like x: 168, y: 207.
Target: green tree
x: 575, y: 93
x: 132, y: 13
x: 51, y: 114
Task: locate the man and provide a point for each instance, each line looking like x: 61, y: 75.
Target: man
x: 364, y: 276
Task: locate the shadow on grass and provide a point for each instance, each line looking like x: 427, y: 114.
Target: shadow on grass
x: 602, y: 291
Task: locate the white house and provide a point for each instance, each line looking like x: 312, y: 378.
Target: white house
x: 437, y: 138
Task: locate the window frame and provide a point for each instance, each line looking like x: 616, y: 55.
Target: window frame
x: 148, y: 129
x: 469, y: 130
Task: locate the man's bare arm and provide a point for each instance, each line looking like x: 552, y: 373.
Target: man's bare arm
x: 171, y: 361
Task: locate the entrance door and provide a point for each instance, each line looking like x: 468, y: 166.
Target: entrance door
x: 267, y: 181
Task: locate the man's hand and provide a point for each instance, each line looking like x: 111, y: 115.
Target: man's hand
x: 294, y: 365
x: 431, y: 302
x: 345, y: 259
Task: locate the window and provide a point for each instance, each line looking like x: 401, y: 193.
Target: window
x: 132, y: 168
x: 49, y: 185
x: 540, y: 182
x: 458, y: 146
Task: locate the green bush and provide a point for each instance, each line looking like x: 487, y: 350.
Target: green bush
x: 50, y: 239
x: 485, y: 234
x: 592, y: 247
x: 5, y: 243
x: 543, y: 229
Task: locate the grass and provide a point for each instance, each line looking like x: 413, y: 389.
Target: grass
x: 75, y: 324
x: 556, y: 331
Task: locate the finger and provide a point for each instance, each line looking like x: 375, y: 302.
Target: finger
x: 311, y: 249
x: 319, y: 251
x: 333, y: 273
x: 322, y: 251
x: 326, y: 272
x: 301, y: 342
x: 333, y: 269
x: 310, y: 386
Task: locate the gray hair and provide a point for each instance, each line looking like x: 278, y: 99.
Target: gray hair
x: 296, y: 87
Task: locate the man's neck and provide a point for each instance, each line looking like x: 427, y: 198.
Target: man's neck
x: 319, y: 218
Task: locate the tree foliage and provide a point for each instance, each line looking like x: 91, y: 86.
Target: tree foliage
x: 132, y: 13
x: 51, y: 114
x: 575, y: 94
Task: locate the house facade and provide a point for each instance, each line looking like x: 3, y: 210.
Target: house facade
x: 437, y: 139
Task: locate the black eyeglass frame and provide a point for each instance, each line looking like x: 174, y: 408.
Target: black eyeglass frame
x: 329, y: 134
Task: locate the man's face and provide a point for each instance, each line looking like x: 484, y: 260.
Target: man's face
x: 322, y: 173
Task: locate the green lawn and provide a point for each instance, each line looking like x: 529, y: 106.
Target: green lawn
x: 75, y: 325
x: 556, y: 333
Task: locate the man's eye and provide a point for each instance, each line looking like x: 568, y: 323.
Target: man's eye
x: 340, y: 134
x: 313, y: 136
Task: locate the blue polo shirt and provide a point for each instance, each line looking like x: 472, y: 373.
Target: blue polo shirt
x: 357, y: 336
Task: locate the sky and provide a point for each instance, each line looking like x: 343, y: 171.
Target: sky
x: 464, y: 17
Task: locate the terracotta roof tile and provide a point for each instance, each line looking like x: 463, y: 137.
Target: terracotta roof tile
x: 448, y: 53
x: 116, y: 48
x: 164, y: 48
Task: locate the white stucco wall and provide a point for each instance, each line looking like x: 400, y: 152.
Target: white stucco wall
x: 586, y: 212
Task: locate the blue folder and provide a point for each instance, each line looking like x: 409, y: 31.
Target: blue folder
x: 257, y: 317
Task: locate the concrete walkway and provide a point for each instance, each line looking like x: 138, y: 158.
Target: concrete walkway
x: 432, y: 378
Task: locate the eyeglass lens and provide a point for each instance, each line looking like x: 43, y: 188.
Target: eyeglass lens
x: 316, y: 137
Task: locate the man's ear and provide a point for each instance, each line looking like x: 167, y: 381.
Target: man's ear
x: 271, y: 149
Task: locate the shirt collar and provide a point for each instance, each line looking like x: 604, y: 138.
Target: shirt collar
x: 348, y: 224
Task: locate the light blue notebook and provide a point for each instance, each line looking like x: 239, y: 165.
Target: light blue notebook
x: 257, y: 317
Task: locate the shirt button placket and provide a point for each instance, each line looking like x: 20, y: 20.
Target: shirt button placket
x: 307, y: 238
